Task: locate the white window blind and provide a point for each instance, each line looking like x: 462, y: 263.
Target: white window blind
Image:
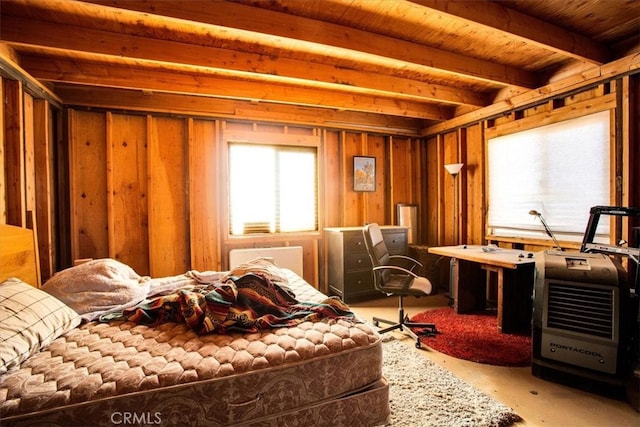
x: 561, y: 170
x: 272, y: 188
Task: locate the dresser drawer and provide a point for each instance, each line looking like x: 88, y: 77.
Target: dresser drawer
x: 357, y: 261
x: 359, y: 282
x: 396, y: 242
x: 354, y: 242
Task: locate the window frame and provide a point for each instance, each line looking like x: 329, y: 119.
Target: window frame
x: 312, y: 140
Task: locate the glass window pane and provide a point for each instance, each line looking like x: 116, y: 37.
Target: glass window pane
x: 272, y: 189
x: 252, y: 188
x: 297, y: 191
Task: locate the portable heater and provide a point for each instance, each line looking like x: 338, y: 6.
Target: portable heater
x: 576, y: 312
x: 586, y: 312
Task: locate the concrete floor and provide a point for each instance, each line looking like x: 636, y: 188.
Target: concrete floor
x: 538, y: 402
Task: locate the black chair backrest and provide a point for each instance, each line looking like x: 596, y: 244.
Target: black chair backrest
x: 377, y: 249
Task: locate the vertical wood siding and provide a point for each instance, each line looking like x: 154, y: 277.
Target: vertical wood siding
x: 88, y: 185
x: 150, y: 190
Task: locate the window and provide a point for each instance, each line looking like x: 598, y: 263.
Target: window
x: 272, y: 188
x: 560, y: 170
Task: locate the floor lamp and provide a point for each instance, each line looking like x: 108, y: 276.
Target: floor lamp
x: 454, y: 170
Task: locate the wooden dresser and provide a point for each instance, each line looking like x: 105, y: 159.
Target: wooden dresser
x: 350, y: 276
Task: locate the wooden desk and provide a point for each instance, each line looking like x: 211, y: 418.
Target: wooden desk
x: 515, y: 276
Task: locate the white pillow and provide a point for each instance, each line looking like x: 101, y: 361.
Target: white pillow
x: 97, y: 287
x: 30, y: 319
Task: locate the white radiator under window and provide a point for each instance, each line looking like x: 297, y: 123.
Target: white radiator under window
x: 286, y: 257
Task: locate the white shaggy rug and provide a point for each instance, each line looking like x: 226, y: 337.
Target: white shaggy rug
x: 423, y: 394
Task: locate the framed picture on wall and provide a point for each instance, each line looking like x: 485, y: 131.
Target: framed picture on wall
x: 364, y: 173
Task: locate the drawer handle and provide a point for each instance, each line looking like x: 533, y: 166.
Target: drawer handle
x: 359, y: 243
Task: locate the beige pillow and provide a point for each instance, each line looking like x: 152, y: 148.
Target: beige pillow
x: 30, y: 319
x: 98, y: 287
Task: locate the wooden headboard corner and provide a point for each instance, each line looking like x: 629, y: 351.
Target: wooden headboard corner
x: 18, y: 254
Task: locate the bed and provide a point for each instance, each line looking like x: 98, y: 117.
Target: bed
x: 326, y: 372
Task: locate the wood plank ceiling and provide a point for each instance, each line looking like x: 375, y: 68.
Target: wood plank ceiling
x: 400, y: 63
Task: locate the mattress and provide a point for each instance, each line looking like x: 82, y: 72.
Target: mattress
x: 317, y: 373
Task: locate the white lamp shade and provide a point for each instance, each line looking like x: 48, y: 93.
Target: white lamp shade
x: 454, y: 168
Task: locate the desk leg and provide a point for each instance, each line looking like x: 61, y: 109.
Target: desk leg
x: 470, y: 286
x: 500, y: 298
x: 514, y: 311
x: 500, y: 288
x: 500, y: 285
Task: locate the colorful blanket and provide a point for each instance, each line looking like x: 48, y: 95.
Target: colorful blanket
x: 247, y: 304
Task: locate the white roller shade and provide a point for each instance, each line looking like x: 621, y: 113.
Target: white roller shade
x: 561, y: 170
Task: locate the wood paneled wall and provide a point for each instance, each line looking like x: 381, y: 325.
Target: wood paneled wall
x: 467, y: 144
x: 151, y: 190
x: 138, y: 191
x: 27, y: 167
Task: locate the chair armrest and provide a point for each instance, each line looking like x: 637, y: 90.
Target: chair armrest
x: 406, y: 258
x: 394, y: 267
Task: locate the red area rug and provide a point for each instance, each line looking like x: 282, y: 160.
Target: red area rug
x: 475, y: 337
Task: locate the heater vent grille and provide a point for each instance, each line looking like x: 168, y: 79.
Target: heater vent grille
x: 581, y: 309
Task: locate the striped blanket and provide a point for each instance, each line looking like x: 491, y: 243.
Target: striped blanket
x: 248, y: 303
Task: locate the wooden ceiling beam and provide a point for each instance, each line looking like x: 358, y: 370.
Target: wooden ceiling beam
x: 595, y: 75
x: 114, y: 99
x: 9, y: 67
x: 530, y: 30
x: 29, y: 32
x: 281, y: 34
x: 130, y: 74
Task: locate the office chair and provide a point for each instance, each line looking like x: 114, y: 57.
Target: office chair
x: 391, y: 278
